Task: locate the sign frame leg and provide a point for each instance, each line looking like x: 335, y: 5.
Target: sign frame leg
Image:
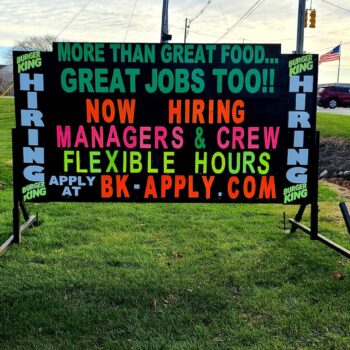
x: 18, y: 205
x: 313, y: 230
x: 314, y: 204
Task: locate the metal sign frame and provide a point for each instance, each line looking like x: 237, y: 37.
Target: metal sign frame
x: 297, y: 64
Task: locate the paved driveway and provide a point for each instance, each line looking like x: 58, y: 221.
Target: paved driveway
x: 338, y: 110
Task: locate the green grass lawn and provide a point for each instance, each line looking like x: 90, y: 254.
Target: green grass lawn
x: 333, y: 125
x: 170, y: 276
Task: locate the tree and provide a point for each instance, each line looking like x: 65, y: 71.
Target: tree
x: 32, y: 43
x: 6, y: 79
x: 35, y: 43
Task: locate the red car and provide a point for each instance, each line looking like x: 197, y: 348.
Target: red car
x: 334, y: 96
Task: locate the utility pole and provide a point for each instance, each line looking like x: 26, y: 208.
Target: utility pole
x: 164, y: 36
x: 187, y: 26
x: 300, y: 31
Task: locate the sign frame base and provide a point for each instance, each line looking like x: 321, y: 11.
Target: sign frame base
x: 313, y: 231
x: 17, y: 227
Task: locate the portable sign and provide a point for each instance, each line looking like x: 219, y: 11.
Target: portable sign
x: 165, y: 123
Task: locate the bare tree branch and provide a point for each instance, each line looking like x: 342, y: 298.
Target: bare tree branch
x: 32, y: 43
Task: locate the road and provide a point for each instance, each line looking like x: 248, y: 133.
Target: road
x: 338, y: 110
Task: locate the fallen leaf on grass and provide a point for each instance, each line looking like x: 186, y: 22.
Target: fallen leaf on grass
x: 218, y: 339
x: 177, y: 255
x: 338, y: 275
x: 170, y: 298
x: 342, y: 262
x: 153, y: 304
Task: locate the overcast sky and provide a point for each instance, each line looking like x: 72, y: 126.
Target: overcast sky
x: 273, y: 21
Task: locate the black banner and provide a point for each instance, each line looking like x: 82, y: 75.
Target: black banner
x: 165, y: 123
